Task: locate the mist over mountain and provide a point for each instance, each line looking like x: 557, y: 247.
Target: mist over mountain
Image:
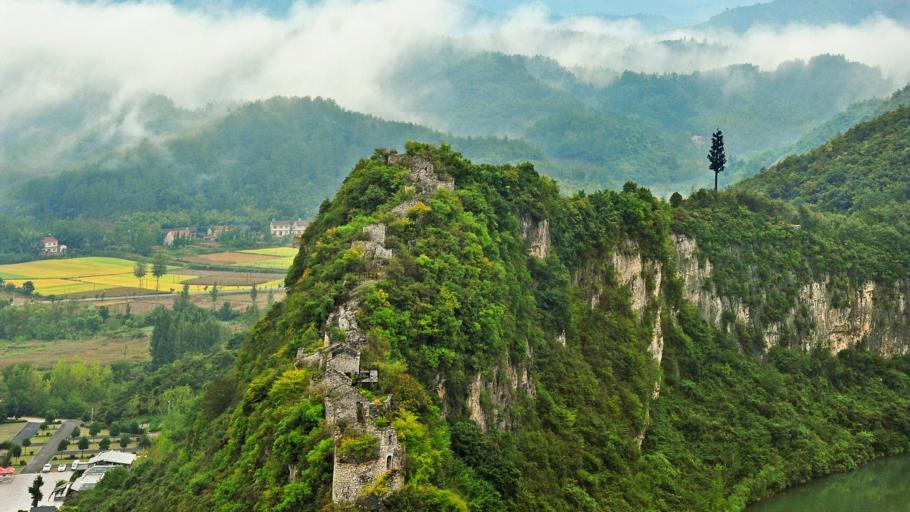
x: 814, y: 12
x: 225, y: 53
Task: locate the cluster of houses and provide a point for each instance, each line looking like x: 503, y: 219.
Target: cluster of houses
x: 172, y: 236
x: 285, y: 228
x: 278, y: 229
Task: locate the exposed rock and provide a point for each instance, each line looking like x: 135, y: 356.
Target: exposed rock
x: 656, y: 348
x: 509, y: 381
x: 475, y: 410
x: 372, y: 250
x: 561, y: 338
x: 537, y: 234
x: 422, y: 172
x: 697, y: 288
x: 868, y: 313
x: 631, y: 271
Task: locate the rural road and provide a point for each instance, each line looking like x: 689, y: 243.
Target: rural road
x: 150, y: 296
x: 48, y: 451
x: 27, y: 431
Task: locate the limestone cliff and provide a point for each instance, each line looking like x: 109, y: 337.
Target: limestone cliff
x: 823, y: 315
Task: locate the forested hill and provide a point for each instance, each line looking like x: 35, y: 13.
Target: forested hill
x: 587, y: 129
x: 533, y: 352
x: 866, y: 169
x: 284, y: 155
x: 820, y: 12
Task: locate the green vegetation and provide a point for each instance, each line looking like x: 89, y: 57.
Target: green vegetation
x: 462, y: 300
x: 863, y: 170
x: 358, y: 449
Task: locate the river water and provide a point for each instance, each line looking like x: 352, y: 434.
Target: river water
x: 880, y: 486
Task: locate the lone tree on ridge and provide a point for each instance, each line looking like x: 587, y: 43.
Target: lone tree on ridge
x: 716, y: 156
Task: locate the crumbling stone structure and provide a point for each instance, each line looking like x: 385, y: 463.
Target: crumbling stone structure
x: 347, y: 409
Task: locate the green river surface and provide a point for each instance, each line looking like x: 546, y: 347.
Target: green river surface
x: 880, y: 486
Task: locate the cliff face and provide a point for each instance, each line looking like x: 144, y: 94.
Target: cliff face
x: 822, y: 315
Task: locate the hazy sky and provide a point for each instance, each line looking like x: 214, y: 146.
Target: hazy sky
x: 679, y: 10
x: 683, y: 11
x: 344, y: 49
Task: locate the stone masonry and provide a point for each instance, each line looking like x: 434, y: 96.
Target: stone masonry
x: 346, y: 408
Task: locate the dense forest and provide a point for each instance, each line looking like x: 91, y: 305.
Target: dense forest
x: 469, y: 296
x: 282, y: 155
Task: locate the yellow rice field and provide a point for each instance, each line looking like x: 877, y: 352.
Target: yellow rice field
x: 95, y: 274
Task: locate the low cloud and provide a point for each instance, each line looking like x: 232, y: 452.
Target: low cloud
x: 51, y: 50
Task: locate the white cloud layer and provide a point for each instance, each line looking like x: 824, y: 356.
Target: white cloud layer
x: 345, y: 49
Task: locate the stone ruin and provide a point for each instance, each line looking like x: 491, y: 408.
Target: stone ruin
x: 422, y: 174
x: 347, y: 410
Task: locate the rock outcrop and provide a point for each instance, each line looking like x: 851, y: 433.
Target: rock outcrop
x: 537, y: 235
x: 489, y: 397
x: 862, y: 314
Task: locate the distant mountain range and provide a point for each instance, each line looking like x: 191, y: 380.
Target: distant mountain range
x: 288, y: 154
x: 813, y: 12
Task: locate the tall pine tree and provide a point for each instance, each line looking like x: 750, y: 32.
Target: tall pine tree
x: 716, y: 156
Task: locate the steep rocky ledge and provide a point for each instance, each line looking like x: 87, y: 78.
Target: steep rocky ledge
x: 869, y: 313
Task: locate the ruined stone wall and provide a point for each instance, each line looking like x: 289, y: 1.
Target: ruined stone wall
x: 346, y: 409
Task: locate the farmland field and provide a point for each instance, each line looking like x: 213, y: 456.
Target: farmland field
x: 44, y: 354
x: 229, y: 258
x: 278, y: 258
x: 93, y: 276
x: 283, y: 252
x: 234, y: 278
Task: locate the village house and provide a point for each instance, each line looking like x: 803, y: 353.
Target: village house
x: 284, y: 228
x: 212, y: 233
x: 280, y: 228
x: 171, y: 236
x: 50, y: 246
x: 298, y: 227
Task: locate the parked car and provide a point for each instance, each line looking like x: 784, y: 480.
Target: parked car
x: 75, y: 465
x: 61, y: 468
x: 46, y: 468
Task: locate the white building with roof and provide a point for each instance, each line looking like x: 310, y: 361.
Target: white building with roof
x: 113, y: 458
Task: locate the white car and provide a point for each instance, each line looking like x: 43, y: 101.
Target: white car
x: 61, y: 468
x: 46, y: 468
x: 75, y: 465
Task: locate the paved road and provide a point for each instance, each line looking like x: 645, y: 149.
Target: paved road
x: 48, y: 451
x: 27, y: 431
x: 14, y: 494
